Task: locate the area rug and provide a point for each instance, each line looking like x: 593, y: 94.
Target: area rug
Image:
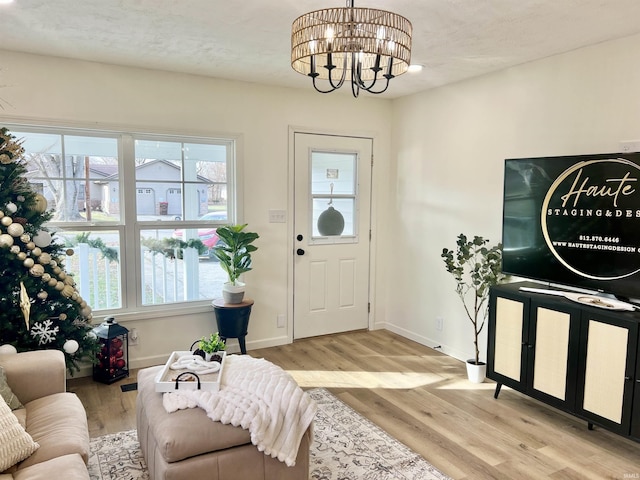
x: 346, y: 446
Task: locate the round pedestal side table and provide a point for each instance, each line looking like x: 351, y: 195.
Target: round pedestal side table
x: 233, y: 320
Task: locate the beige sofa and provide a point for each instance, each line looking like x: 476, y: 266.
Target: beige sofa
x: 55, y: 418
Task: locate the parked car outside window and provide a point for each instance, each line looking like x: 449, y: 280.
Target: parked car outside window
x: 207, y: 235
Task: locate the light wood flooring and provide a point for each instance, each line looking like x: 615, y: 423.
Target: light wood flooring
x: 422, y: 398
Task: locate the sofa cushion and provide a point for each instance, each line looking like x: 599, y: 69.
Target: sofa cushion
x: 185, y: 433
x: 6, y: 393
x: 67, y: 467
x: 58, y: 423
x: 15, y: 443
x: 21, y: 415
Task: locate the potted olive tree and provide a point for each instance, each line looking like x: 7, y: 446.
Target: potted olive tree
x: 234, y: 249
x: 475, y: 268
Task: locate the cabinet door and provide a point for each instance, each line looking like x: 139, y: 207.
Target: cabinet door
x: 608, y: 346
x: 507, y: 332
x: 553, y: 353
x: 635, y: 412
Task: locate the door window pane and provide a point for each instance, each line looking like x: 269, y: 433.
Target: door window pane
x: 333, y: 195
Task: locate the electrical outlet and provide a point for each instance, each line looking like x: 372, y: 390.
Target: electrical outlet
x: 628, y: 146
x: 133, y: 337
x: 281, y: 321
x: 439, y: 323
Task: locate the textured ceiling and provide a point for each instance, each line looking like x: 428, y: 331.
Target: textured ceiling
x: 250, y: 40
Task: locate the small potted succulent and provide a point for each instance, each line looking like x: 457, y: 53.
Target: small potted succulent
x: 210, y: 346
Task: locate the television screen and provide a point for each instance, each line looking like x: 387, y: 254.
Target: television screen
x: 575, y: 221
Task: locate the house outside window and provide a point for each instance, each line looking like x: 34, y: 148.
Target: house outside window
x: 119, y: 200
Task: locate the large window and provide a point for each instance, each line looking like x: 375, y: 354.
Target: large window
x: 119, y: 200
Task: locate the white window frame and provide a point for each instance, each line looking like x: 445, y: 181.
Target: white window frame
x: 129, y: 227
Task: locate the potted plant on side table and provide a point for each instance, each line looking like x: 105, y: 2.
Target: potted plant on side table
x: 475, y: 268
x: 234, y: 252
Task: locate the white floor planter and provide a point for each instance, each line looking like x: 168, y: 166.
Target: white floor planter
x: 476, y: 373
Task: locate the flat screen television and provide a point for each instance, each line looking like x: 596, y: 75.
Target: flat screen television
x: 574, y: 221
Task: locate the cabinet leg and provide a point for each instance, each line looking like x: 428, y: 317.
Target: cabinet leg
x: 590, y: 426
x: 497, y: 392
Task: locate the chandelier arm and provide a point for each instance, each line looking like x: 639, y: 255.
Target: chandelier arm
x: 355, y: 86
x: 344, y: 75
x: 369, y: 89
x: 320, y: 90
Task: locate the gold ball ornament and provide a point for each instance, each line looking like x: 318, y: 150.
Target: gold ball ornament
x: 70, y: 252
x: 44, y: 258
x: 25, y: 238
x: 42, y: 295
x: 46, y: 276
x: 59, y: 286
x: 1, y: 214
x: 56, y: 270
x: 36, y: 252
x: 86, y: 311
x: 52, y: 282
x: 67, y: 291
x: 6, y: 221
x: 15, y: 249
x: 75, y: 296
x: 30, y: 245
x: 15, y: 229
x: 28, y: 262
x: 40, y: 204
x: 11, y: 207
x: 62, y: 275
x: 36, y: 270
x: 62, y: 316
x: 6, y: 240
x: 22, y: 256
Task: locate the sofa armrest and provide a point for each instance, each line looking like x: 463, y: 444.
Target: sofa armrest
x: 35, y: 374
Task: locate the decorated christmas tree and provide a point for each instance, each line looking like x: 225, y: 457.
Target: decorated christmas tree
x: 40, y: 306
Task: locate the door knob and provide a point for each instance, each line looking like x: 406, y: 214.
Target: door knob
x: 300, y: 251
x: 299, y: 237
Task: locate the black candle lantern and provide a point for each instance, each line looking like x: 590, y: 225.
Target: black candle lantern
x: 113, y: 357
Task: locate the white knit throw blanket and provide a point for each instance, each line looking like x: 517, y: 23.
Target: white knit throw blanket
x: 258, y: 396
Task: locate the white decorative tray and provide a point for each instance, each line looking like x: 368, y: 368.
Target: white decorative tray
x: 190, y: 374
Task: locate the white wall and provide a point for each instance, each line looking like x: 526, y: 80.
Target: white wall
x: 450, y: 144
x: 57, y: 91
x: 445, y: 176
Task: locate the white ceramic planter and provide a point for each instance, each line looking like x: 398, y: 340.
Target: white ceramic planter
x: 233, y: 293
x: 476, y: 373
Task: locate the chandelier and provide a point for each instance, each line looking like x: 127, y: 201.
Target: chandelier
x: 371, y: 46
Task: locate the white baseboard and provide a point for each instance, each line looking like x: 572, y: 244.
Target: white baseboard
x: 446, y: 349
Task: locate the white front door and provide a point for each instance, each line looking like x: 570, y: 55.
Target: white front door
x: 332, y: 176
